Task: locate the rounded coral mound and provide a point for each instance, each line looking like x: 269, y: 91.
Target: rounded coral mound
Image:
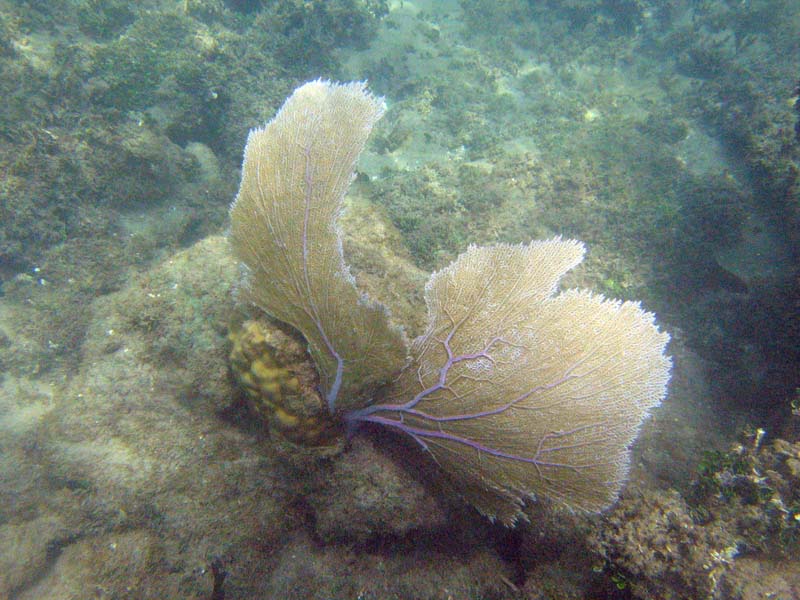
x: 282, y: 385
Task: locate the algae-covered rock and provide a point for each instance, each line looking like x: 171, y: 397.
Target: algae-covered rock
x: 119, y: 564
x: 32, y: 542
x: 652, y: 538
x: 129, y: 444
x: 142, y: 475
x: 306, y: 571
x: 751, y: 579
x: 367, y: 494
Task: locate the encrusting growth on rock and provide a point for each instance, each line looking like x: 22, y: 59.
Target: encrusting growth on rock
x: 281, y: 383
x: 514, y: 390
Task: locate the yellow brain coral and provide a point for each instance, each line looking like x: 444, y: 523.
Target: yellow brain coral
x: 281, y: 384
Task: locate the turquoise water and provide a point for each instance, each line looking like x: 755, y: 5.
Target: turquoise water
x: 133, y: 465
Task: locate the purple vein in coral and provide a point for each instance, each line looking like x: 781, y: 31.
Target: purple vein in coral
x: 423, y: 435
x: 420, y: 434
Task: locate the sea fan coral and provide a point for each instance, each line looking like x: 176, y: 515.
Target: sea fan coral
x: 514, y: 390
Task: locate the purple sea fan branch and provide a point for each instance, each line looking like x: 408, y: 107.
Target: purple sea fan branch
x: 366, y: 413
x: 296, y: 171
x: 550, y: 404
x: 420, y: 434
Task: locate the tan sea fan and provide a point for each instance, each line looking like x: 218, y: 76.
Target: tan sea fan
x: 514, y: 390
x: 283, y: 229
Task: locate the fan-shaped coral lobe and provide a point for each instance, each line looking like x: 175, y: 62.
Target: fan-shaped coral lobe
x: 517, y: 392
x: 283, y: 228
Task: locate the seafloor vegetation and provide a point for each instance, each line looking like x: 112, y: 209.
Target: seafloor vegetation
x: 663, y: 134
